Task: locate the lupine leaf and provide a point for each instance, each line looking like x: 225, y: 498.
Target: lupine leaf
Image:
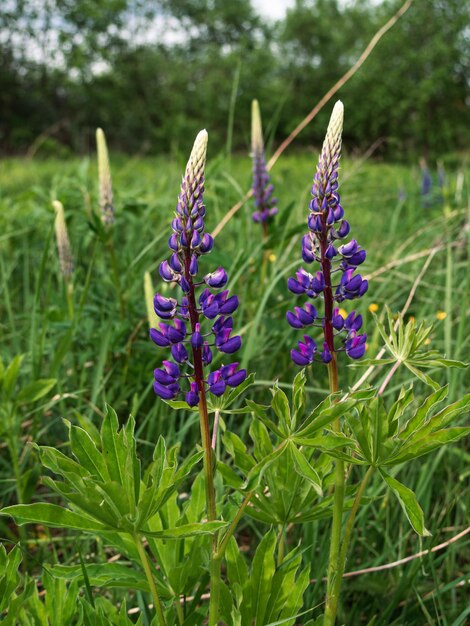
x: 237, y: 569
x: 53, y: 516
x: 256, y: 473
x: 424, y: 445
x: 298, y: 396
x: 423, y: 412
x: 281, y: 408
x: 260, y: 412
x: 262, y: 573
x: 103, y: 575
x: 304, y: 469
x: 422, y: 376
x: 180, y: 404
x: 408, y: 502
x: 113, y: 447
x: 60, y: 463
x: 186, y: 530
x: 87, y: 453
x: 260, y: 436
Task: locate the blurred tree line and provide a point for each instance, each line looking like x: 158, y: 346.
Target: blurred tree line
x: 152, y: 72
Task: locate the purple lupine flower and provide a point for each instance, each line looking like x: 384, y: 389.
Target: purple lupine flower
x: 265, y: 203
x: 326, y: 225
x: 183, y: 327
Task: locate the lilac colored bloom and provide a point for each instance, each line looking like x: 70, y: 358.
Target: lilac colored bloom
x: 183, y: 329
x: 339, y: 263
x: 265, y: 203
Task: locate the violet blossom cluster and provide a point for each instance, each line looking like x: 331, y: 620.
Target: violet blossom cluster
x: 265, y: 202
x: 337, y: 279
x: 182, y: 330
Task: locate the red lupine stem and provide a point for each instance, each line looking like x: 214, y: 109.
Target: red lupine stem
x: 338, y: 503
x: 199, y: 379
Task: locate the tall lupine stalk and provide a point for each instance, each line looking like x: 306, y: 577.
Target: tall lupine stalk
x: 107, y: 211
x: 335, y: 282
x: 265, y: 203
x: 192, y: 347
x: 65, y: 253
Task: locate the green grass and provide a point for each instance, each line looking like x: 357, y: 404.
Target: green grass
x: 102, y: 356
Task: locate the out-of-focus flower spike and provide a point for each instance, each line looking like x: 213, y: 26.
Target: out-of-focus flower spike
x: 257, y: 143
x: 104, y: 173
x: 149, y: 296
x: 63, y: 242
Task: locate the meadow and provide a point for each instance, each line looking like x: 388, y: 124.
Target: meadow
x: 91, y: 343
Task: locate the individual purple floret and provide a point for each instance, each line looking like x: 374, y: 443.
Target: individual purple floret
x: 183, y: 327
x: 265, y: 202
x: 336, y: 280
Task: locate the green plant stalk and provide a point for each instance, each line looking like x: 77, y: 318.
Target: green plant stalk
x: 347, y: 534
x: 231, y: 529
x: 216, y: 584
x: 338, y: 505
x: 153, y: 588
x: 69, y: 292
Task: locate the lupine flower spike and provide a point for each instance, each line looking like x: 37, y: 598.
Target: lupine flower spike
x: 183, y: 329
x: 65, y: 252
x: 104, y: 173
x: 265, y: 203
x: 336, y: 279
x: 63, y: 243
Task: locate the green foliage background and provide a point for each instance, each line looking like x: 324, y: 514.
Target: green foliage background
x: 149, y: 73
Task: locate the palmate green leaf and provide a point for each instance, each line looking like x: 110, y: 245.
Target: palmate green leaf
x: 181, y: 405
x: 423, y: 412
x: 367, y: 362
x: 304, y: 468
x: 262, y: 573
x: 298, y: 396
x: 280, y: 406
x: 59, y: 463
x: 421, y: 375
x: 87, y: 498
x: 432, y: 358
x: 53, y: 516
x: 103, y: 575
x: 256, y: 474
x: 35, y: 390
x: 88, y: 455
x: 330, y: 409
x: 186, y: 530
x: 419, y: 446
x: 113, y: 449
x: 259, y: 411
x: 263, y: 446
x: 408, y: 502
x: 238, y: 451
x: 398, y: 408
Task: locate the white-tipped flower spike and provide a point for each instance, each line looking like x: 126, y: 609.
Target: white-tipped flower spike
x: 104, y: 173
x: 257, y: 144
x: 63, y: 243
x: 332, y: 145
x: 149, y: 293
x: 194, y: 174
